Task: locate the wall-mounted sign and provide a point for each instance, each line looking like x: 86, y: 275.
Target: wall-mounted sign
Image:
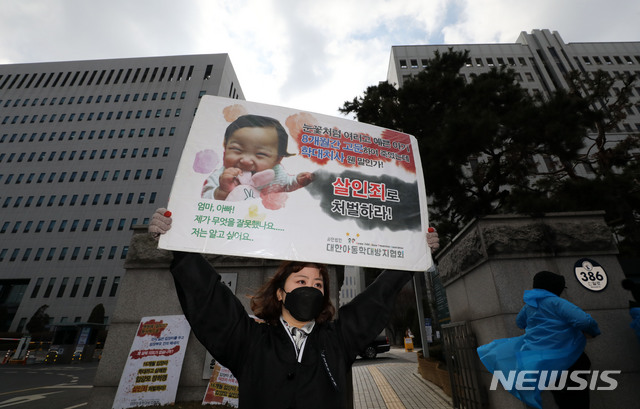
x: 590, y: 274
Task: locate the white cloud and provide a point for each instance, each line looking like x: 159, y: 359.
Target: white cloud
x: 305, y: 54
x: 490, y: 21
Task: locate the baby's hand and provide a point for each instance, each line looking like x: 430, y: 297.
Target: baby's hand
x: 228, y: 181
x: 304, y: 178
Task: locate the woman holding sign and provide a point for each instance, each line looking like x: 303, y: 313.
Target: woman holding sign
x: 300, y: 357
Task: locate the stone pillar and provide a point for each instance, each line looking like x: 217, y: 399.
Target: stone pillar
x: 487, y: 267
x: 147, y: 289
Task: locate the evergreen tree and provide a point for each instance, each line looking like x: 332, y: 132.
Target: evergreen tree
x: 485, y: 120
x: 97, y: 314
x: 586, y: 116
x: 39, y: 321
x: 478, y: 142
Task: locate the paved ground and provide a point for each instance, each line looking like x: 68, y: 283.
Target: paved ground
x: 395, y: 385
x: 392, y: 384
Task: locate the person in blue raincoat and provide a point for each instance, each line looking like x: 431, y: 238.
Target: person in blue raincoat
x: 554, y: 340
x: 634, y: 305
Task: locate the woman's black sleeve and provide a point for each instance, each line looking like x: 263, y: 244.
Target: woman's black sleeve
x: 362, y: 319
x: 216, y: 316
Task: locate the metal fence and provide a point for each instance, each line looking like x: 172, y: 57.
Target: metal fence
x: 462, y: 361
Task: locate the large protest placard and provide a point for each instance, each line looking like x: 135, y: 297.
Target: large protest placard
x: 152, y: 371
x: 258, y: 180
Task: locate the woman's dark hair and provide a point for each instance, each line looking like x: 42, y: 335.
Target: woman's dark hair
x: 546, y: 280
x: 265, y: 303
x: 257, y: 121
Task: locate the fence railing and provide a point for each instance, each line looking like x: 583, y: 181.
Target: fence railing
x: 462, y: 361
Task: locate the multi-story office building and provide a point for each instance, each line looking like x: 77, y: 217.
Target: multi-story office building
x: 354, y: 284
x: 541, y: 60
x: 87, y: 150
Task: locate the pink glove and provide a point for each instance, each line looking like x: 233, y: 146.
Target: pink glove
x: 160, y: 222
x: 433, y: 241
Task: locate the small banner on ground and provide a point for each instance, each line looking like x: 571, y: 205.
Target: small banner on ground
x: 150, y: 376
x: 222, y: 388
x: 263, y: 181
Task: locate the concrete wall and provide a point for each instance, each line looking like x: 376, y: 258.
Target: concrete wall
x: 148, y: 290
x: 487, y: 267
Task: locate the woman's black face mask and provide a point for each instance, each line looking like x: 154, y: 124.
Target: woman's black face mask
x: 304, y: 303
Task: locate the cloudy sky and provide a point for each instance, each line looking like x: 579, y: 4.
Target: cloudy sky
x: 311, y: 55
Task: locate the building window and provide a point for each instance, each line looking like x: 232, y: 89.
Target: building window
x: 36, y: 288
x: 63, y: 253
x: 76, y: 286
x: 26, y: 254
x: 47, y: 292
x: 87, y: 288
x: 101, y: 285
x: 114, y: 286
x: 63, y: 286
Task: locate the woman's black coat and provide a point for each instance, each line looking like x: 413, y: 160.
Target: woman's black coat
x: 262, y: 356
